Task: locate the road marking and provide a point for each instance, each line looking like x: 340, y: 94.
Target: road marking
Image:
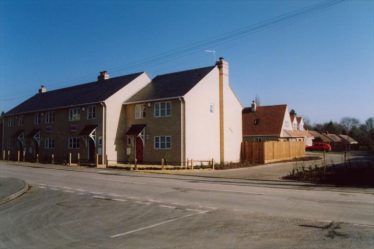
x: 42, y: 186
x: 122, y: 200
x: 99, y: 197
x: 166, y: 206
x: 155, y: 225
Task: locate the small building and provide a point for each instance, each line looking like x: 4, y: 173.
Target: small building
x: 336, y: 143
x: 349, y: 142
x: 79, y: 120
x: 183, y: 116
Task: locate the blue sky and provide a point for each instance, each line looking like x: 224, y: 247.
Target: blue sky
x: 321, y: 64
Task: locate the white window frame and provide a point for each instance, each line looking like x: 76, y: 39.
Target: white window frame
x: 73, y: 143
x: 49, y: 117
x: 91, y: 112
x: 74, y: 114
x: 162, y: 109
x: 49, y: 143
x: 37, y: 118
x: 139, y: 111
x: 161, y: 143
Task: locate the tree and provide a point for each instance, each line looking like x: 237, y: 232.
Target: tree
x: 348, y: 123
x: 369, y: 123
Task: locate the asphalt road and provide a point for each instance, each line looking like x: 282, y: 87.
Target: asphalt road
x: 100, y: 209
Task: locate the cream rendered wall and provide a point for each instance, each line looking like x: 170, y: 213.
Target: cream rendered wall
x: 202, y: 126
x: 232, y: 125
x: 115, y: 133
x: 300, y: 126
x: 287, y: 124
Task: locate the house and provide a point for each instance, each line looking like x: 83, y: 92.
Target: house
x: 349, y: 142
x: 263, y: 123
x: 81, y: 120
x: 183, y: 116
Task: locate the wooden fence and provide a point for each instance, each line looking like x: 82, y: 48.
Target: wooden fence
x: 271, y: 151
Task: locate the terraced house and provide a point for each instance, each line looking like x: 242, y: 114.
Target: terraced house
x: 79, y: 119
x: 192, y: 114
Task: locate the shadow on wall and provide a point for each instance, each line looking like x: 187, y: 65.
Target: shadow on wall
x: 120, y: 141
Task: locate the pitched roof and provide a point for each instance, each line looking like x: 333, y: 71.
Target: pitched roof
x: 171, y: 85
x: 296, y: 133
x: 266, y: 120
x: 333, y: 137
x: 348, y: 139
x: 321, y: 136
x: 298, y: 119
x: 93, y: 92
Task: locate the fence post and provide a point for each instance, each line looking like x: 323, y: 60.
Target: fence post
x: 53, y: 158
x: 18, y: 155
x: 79, y: 158
x: 69, y: 158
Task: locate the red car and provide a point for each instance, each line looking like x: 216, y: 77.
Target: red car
x: 319, y: 147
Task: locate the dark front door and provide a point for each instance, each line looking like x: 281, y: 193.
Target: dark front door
x: 139, y: 149
x: 91, y: 150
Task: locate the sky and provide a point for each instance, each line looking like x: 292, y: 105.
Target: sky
x: 320, y: 63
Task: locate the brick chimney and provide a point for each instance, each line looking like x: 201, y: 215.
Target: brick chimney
x: 42, y: 89
x: 253, y: 106
x: 103, y: 76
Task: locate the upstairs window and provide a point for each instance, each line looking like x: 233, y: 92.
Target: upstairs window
x: 74, y: 114
x: 49, y: 117
x: 139, y: 111
x: 73, y: 143
x: 91, y: 112
x: 37, y: 118
x: 162, y: 109
x: 20, y: 120
x: 256, y: 121
x: 11, y: 122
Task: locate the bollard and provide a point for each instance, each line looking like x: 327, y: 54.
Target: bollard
x: 96, y: 159
x: 162, y: 163
x: 23, y: 155
x: 37, y: 158
x: 78, y: 158
x: 18, y: 155
x: 69, y: 159
x: 213, y: 163
x: 8, y: 155
x: 106, y: 161
x: 3, y: 155
x: 136, y: 164
x: 191, y: 164
x: 53, y: 158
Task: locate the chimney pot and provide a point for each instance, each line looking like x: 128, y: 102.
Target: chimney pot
x: 103, y: 76
x: 42, y: 89
x: 254, y: 106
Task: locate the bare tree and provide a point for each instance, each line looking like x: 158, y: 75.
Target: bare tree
x: 348, y: 123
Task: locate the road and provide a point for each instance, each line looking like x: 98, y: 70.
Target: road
x: 107, y: 209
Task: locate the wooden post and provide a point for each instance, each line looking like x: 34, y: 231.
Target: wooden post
x: 23, y: 155
x: 136, y: 164
x: 37, y: 158
x: 96, y: 159
x: 79, y: 158
x: 69, y: 159
x: 8, y: 155
x: 191, y: 164
x: 162, y: 163
x: 53, y: 158
x: 18, y: 155
x: 213, y: 163
x: 3, y: 155
x: 106, y: 161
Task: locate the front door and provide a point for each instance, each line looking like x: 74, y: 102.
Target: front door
x: 139, y: 150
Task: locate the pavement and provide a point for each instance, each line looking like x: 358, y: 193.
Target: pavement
x: 11, y: 188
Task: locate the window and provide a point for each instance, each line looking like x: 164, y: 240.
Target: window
x: 256, y: 121
x: 49, y: 117
x: 162, y: 109
x: 139, y: 111
x: 49, y: 143
x: 73, y: 142
x: 74, y: 114
x: 91, y: 112
x: 37, y: 118
x: 162, y: 142
x: 20, y: 120
x: 11, y: 122
x: 129, y: 141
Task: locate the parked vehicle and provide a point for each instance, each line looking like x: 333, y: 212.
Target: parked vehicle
x: 319, y: 147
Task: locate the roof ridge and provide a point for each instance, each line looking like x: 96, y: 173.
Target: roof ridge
x: 183, y: 71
